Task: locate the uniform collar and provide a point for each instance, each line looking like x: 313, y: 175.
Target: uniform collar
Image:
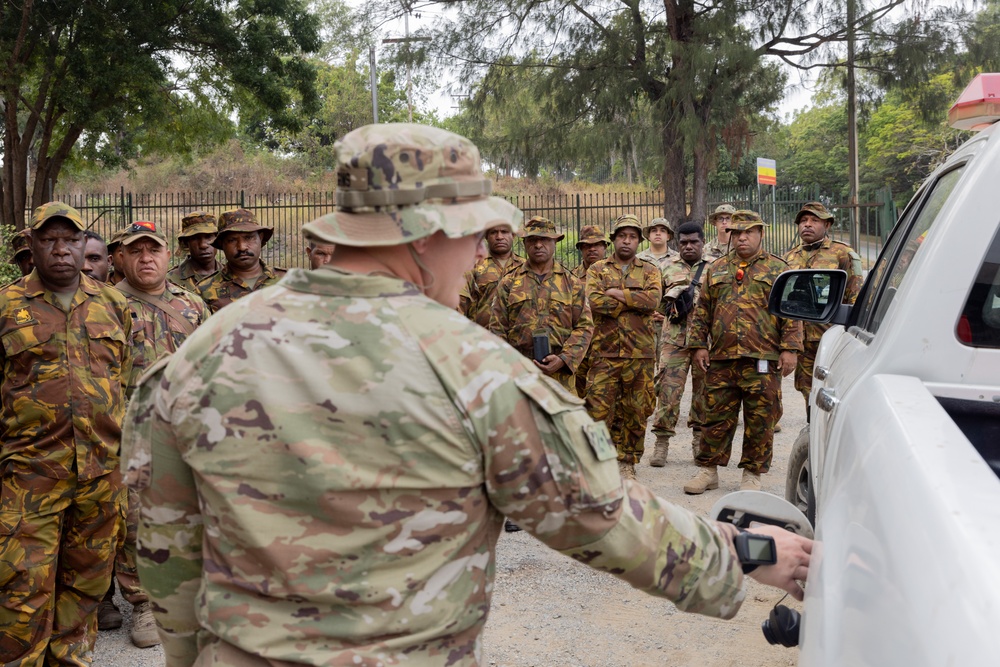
x: 822, y: 243
x: 34, y: 288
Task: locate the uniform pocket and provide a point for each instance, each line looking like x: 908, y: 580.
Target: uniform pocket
x: 107, y: 347
x: 29, y: 351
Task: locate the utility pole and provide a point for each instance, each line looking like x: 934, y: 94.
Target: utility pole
x: 852, y: 129
x: 373, y: 77
x: 405, y: 41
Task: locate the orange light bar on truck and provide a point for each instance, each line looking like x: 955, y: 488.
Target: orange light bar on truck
x: 978, y: 106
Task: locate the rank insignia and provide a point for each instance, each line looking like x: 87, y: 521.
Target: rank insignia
x: 23, y: 316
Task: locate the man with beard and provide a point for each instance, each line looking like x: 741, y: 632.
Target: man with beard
x: 240, y: 238
x: 96, y: 260
x: 623, y: 292
x: 198, y: 231
x: 681, y: 288
x: 64, y: 363
x: 750, y: 350
x: 475, y: 299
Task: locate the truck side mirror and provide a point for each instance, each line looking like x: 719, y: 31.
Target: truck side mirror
x: 741, y: 508
x: 811, y: 295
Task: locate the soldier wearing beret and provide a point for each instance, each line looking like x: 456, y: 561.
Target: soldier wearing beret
x: 198, y: 231
x: 744, y: 351
x: 330, y: 488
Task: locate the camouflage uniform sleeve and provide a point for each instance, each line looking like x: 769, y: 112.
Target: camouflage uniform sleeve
x: 648, y: 298
x: 855, y: 276
x: 579, y: 505
x: 576, y: 346
x: 499, y: 321
x: 465, y: 295
x: 599, y: 302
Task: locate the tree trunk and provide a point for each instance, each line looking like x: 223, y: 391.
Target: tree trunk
x: 674, y: 181
x: 699, y: 183
x: 14, y: 183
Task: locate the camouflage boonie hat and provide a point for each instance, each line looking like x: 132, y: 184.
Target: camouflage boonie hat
x: 721, y: 210
x: 21, y: 243
x: 658, y: 222
x: 744, y: 220
x: 197, y: 222
x: 626, y: 220
x: 55, y: 209
x: 138, y: 230
x: 591, y: 234
x: 116, y: 239
x: 399, y: 182
x: 539, y: 226
x: 240, y: 220
x: 816, y: 208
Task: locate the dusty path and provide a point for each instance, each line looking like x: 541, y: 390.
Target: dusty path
x: 549, y: 611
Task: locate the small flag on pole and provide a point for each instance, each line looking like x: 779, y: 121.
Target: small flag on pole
x: 767, y: 171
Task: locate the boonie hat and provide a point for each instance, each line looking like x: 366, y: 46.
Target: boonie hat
x: 815, y: 208
x: 626, y: 220
x: 21, y: 243
x: 240, y: 220
x: 116, y: 239
x: 138, y: 230
x: 198, y: 222
x: 55, y: 209
x: 399, y: 182
x: 658, y: 222
x: 721, y: 209
x: 591, y: 234
x: 744, y: 220
x: 539, y: 226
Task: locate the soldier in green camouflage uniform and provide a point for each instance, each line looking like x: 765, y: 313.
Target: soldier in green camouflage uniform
x: 326, y: 465
x: 198, y: 230
x: 675, y: 356
x: 720, y: 219
x: 750, y: 351
x: 481, y: 282
x: 623, y: 292
x: 65, y: 361
x: 593, y: 247
x: 21, y: 243
x: 818, y: 251
x: 659, y: 234
x: 540, y: 297
x: 240, y: 238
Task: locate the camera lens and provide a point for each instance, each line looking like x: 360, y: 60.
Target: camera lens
x: 782, y: 626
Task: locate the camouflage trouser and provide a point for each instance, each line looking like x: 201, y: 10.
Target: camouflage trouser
x: 671, y: 376
x: 582, y: 372
x: 804, y: 368
x: 620, y: 391
x: 57, y: 545
x: 728, y: 385
x: 126, y: 572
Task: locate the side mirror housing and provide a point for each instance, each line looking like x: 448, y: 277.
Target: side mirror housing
x: 810, y: 295
x: 741, y: 508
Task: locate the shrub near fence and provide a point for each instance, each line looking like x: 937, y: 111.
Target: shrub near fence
x: 286, y: 213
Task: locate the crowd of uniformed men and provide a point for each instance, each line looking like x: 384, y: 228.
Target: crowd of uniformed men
x: 622, y: 331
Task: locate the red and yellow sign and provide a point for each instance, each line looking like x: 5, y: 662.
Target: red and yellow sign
x: 767, y: 171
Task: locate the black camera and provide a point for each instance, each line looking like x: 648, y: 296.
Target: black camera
x: 782, y: 626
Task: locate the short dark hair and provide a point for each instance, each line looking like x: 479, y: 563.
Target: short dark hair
x: 691, y: 227
x: 91, y: 234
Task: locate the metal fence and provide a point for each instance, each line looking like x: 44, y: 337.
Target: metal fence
x: 287, y: 212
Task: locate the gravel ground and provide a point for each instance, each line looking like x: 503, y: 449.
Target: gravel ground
x: 549, y: 610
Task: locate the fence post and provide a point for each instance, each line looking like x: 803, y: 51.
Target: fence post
x: 242, y: 205
x: 577, y: 216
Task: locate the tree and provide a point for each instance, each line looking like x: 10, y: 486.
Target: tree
x: 89, y: 72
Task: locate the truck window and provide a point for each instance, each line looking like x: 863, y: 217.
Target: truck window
x: 979, y: 325
x: 894, y: 262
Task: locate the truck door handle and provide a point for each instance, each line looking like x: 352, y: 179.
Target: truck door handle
x: 821, y: 372
x: 826, y: 399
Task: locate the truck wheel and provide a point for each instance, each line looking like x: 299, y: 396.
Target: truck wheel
x: 798, y: 483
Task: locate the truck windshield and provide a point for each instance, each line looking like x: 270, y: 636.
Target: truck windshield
x: 979, y: 325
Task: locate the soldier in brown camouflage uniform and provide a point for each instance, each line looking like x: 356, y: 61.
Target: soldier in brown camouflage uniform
x: 593, y: 247
x: 21, y: 243
x: 240, y: 238
x: 720, y: 219
x: 475, y: 299
x: 65, y: 361
x: 540, y: 297
x: 750, y: 351
x: 818, y: 251
x: 623, y: 292
x: 675, y: 357
x: 198, y: 230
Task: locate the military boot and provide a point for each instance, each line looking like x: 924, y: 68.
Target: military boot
x: 750, y: 482
x: 144, y: 632
x: 627, y: 470
x: 659, y: 458
x: 108, y: 616
x: 707, y: 478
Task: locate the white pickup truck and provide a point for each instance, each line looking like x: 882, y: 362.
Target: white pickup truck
x: 902, y: 477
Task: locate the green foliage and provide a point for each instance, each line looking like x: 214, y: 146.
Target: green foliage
x: 9, y: 272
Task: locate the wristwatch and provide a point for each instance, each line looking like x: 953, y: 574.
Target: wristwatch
x: 753, y: 550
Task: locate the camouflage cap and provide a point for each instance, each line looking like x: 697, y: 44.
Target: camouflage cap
x: 591, y: 234
x: 658, y: 222
x: 138, y: 230
x: 815, y: 208
x: 399, y: 182
x: 21, y: 242
x: 744, y: 220
x: 55, y: 209
x: 626, y: 220
x: 240, y: 220
x: 539, y: 226
x: 116, y: 239
x: 197, y: 222
x: 721, y: 209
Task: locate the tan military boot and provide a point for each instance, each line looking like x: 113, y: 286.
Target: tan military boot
x: 659, y: 458
x: 707, y: 478
x: 777, y: 428
x: 750, y: 482
x: 627, y: 470
x: 144, y: 632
